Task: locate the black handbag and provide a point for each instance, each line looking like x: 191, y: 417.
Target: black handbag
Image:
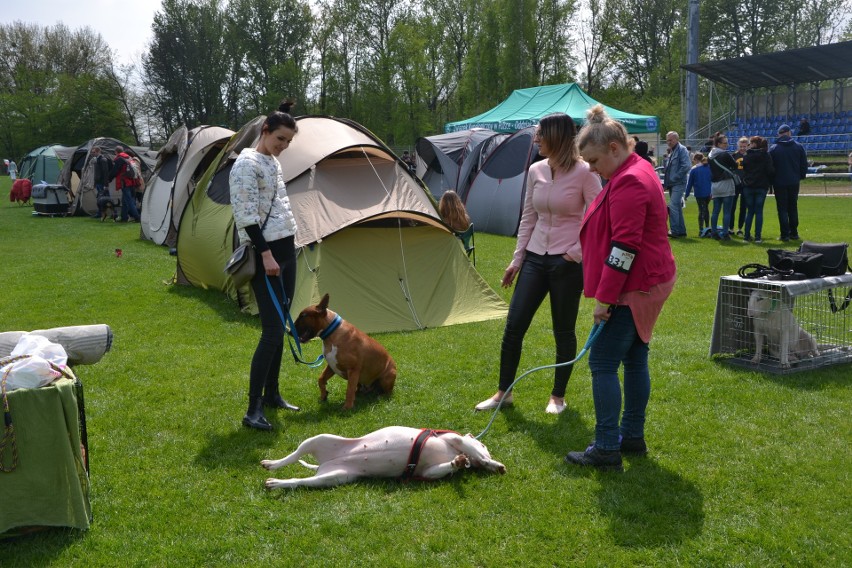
x: 835, y: 259
x: 733, y: 174
x: 808, y: 264
x: 241, y: 266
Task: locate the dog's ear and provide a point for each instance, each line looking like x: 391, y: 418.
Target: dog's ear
x: 323, y: 305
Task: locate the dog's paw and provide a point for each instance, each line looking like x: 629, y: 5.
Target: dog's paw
x: 268, y: 464
x: 756, y: 359
x: 461, y: 461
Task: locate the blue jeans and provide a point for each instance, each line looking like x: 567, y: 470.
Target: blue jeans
x: 676, y: 222
x: 754, y: 198
x: 128, y: 203
x: 618, y: 344
x: 539, y: 276
x: 721, y: 203
x: 787, y: 203
x: 266, y: 362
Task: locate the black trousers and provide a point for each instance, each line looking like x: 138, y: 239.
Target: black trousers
x: 539, y: 276
x: 787, y: 204
x: 266, y: 363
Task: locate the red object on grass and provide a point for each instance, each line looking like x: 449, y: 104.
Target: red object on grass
x: 22, y: 190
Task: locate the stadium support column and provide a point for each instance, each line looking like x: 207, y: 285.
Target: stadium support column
x: 838, y: 96
x: 692, y: 78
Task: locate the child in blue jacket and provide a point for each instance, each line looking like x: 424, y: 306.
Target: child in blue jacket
x: 699, y: 179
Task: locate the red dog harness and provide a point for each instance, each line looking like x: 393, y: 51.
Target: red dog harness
x: 417, y: 448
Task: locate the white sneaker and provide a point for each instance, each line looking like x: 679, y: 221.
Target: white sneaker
x: 554, y: 408
x: 492, y: 403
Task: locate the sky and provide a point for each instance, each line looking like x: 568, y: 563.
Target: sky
x: 124, y: 24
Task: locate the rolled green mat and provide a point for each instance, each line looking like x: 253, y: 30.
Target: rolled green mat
x: 84, y: 344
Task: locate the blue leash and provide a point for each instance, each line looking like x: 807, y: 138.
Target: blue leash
x: 287, y: 320
x: 593, y: 335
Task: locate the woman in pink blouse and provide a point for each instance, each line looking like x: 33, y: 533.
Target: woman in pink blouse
x: 547, y: 257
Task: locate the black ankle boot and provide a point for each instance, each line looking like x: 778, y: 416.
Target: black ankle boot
x: 272, y: 397
x: 275, y: 401
x: 254, y: 417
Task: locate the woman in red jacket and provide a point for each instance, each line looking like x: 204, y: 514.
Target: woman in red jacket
x: 629, y: 269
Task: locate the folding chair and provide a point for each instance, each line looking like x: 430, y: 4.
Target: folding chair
x: 469, y: 242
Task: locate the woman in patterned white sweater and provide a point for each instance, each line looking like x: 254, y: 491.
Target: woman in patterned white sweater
x: 263, y: 216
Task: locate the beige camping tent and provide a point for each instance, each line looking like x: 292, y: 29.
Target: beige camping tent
x: 368, y: 233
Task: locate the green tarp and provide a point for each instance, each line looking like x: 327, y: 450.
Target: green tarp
x: 525, y: 107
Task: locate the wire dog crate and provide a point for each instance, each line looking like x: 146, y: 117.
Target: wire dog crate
x: 783, y: 326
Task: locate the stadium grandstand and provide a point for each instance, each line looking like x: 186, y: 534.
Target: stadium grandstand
x: 784, y: 87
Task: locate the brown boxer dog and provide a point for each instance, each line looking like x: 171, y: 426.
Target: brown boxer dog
x: 348, y: 351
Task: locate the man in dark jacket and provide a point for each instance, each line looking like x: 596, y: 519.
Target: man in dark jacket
x: 102, y: 169
x: 791, y: 166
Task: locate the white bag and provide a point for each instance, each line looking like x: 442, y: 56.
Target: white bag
x: 36, y: 370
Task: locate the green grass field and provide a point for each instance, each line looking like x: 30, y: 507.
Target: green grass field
x: 745, y: 469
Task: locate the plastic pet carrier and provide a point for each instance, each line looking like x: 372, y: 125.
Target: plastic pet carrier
x: 50, y: 199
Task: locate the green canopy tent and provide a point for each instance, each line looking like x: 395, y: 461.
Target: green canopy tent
x: 525, y: 107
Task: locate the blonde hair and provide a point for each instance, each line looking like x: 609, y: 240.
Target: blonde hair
x: 558, y: 131
x: 453, y: 212
x: 699, y: 157
x: 600, y: 130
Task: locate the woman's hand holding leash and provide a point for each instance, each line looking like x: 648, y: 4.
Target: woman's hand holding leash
x: 602, y: 311
x: 270, y: 266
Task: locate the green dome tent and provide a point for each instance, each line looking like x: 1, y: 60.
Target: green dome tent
x: 44, y: 163
x: 525, y: 107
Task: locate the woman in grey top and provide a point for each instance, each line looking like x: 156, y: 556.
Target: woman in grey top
x: 722, y: 189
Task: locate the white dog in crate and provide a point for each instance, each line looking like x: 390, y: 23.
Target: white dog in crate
x: 775, y: 323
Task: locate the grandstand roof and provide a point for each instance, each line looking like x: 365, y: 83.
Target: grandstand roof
x: 805, y: 65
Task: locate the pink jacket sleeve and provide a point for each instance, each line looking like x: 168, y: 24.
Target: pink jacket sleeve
x: 627, y: 209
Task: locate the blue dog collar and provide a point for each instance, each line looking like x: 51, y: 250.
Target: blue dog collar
x: 335, y: 323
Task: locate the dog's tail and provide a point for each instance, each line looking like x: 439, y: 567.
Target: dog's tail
x: 309, y: 465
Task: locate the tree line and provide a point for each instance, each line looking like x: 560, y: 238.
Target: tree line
x: 402, y: 68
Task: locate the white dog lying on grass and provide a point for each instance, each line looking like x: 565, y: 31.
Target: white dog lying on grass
x: 395, y: 451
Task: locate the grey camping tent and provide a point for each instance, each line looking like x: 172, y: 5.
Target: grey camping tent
x: 368, y: 233
x: 449, y: 161
x: 78, y: 174
x: 180, y: 162
x: 496, y: 196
